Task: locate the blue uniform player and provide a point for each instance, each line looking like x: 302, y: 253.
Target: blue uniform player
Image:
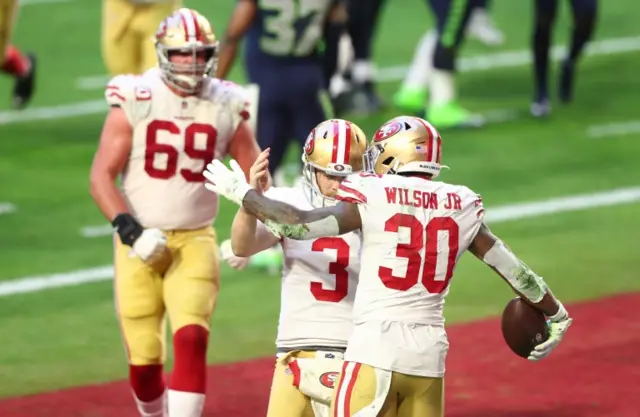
x: 283, y: 58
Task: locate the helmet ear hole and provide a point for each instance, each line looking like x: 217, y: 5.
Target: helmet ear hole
x: 388, y: 161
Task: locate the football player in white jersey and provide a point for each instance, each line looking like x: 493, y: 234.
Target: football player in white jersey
x: 319, y: 276
x: 414, y: 231
x: 162, y: 128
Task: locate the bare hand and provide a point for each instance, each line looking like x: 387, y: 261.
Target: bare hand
x: 259, y: 177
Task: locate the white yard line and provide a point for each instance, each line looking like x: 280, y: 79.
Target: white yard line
x: 476, y: 63
x: 614, y: 129
x: 7, y: 208
x: 92, y: 82
x: 53, y: 112
x: 495, y: 215
x: 65, y: 279
x: 563, y: 204
x: 521, y: 57
x: 97, y: 231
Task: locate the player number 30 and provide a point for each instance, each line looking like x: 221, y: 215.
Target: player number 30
x: 420, y: 237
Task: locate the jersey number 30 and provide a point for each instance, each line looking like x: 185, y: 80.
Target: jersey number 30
x: 422, y: 237
x: 152, y: 164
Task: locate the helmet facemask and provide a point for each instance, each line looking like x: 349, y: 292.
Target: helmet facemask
x: 187, y: 78
x: 310, y: 180
x: 335, y: 148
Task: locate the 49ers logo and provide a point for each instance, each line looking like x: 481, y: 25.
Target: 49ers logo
x: 328, y: 379
x: 387, y: 131
x: 311, y: 142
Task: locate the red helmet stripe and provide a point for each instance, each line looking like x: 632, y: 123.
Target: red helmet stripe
x: 347, y: 143
x: 430, y: 139
x: 196, y: 27
x: 341, y: 142
x: 188, y: 23
x: 336, y: 141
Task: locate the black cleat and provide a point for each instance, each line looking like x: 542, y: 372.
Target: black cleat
x: 25, y: 86
x: 565, y: 85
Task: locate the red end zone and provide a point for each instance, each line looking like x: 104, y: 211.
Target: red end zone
x: 595, y: 373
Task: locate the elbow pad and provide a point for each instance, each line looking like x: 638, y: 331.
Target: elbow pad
x: 311, y: 230
x: 517, y: 273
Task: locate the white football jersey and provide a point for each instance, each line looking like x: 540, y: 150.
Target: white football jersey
x: 319, y: 280
x: 173, y: 139
x: 414, y: 232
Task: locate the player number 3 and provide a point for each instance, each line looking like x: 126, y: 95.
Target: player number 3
x: 338, y: 269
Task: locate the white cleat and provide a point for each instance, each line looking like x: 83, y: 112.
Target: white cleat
x: 483, y: 29
x: 540, y: 108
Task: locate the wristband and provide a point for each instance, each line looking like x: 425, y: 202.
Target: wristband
x: 562, y: 314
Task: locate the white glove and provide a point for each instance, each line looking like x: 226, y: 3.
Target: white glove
x: 557, y: 328
x: 150, y: 244
x: 229, y: 183
x: 235, y: 262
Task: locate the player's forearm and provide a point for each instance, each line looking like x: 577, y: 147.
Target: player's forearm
x: 493, y: 252
x: 290, y: 221
x: 265, y: 208
x: 243, y: 233
x: 107, y: 196
x: 551, y: 306
x: 524, y: 281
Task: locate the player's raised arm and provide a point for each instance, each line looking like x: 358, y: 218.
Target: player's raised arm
x: 239, y: 24
x: 492, y: 251
x: 244, y: 149
x: 246, y: 238
x: 282, y: 218
x: 109, y: 161
x: 299, y: 224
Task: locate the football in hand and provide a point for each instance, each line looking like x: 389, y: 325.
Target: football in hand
x: 523, y: 327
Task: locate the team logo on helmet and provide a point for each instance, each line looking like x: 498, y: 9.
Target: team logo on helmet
x: 328, y: 379
x: 310, y: 143
x: 387, y: 130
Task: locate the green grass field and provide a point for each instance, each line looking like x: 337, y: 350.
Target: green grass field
x: 69, y: 336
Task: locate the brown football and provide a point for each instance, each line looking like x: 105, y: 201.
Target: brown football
x: 523, y: 327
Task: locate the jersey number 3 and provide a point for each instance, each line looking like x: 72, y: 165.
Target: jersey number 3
x: 337, y: 269
x: 171, y: 153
